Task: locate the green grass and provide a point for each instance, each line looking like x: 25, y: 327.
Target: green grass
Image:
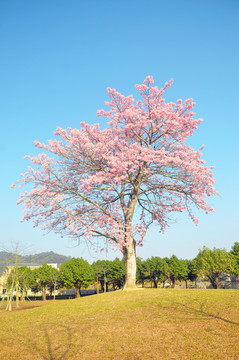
x: 144, y: 324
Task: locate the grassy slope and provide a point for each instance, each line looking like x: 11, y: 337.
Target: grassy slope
x: 143, y: 324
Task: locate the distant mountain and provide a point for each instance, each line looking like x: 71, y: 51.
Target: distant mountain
x: 46, y: 257
x: 38, y: 259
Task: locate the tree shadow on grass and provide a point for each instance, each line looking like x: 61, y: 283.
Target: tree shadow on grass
x: 51, y: 348
x: 201, y: 311
x: 55, y: 352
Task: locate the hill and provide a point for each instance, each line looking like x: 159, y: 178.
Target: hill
x: 127, y: 325
x: 39, y: 259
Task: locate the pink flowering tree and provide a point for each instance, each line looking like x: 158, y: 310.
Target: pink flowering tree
x: 114, y: 183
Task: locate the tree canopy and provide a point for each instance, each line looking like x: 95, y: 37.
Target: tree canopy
x: 26, y: 278
x: 159, y: 270
x: 45, y: 276
x: 213, y: 263
x: 178, y: 269
x: 77, y: 273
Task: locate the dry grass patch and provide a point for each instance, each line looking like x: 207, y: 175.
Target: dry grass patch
x: 148, y: 324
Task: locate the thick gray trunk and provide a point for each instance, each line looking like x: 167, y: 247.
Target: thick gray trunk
x: 130, y: 266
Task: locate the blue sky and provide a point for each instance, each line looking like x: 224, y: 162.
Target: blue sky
x: 58, y: 58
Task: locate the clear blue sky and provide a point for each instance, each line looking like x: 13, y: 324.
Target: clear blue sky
x: 58, y: 57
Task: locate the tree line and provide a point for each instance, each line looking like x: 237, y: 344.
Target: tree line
x: 79, y: 274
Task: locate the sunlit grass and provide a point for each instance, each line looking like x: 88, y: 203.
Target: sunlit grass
x: 144, y: 324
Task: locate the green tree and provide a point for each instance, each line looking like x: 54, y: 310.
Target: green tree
x: 77, y: 273
x: 55, y: 282
x: 185, y: 274
x: 117, y: 272
x: 43, y: 278
x: 213, y: 263
x: 177, y: 270
x: 165, y: 270
x: 26, y: 279
x: 192, y: 270
x: 142, y: 271
x: 235, y: 253
x: 21, y: 278
x: 102, y: 270
x: 154, y: 264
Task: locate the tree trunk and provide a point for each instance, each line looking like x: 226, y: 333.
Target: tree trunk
x: 77, y: 290
x: 10, y: 297
x: 10, y: 302
x: 215, y: 282
x: 130, y: 266
x: 54, y: 292
x: 44, y: 293
x: 172, y: 284
x: 97, y: 284
x: 102, y: 285
x: 23, y: 294
x: 17, y: 294
x: 155, y: 283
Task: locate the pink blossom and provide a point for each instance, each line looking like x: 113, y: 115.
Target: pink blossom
x: 90, y: 182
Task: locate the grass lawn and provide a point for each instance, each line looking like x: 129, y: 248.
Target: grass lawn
x: 143, y: 324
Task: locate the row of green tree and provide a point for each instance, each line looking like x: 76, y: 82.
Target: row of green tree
x: 78, y: 273
x: 209, y: 264
x: 75, y: 273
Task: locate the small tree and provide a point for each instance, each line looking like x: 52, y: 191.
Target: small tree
x: 142, y: 272
x: 76, y: 273
x: 213, y: 263
x: 177, y: 270
x: 94, y: 181
x: 184, y: 275
x: 165, y: 270
x: 13, y: 280
x: 102, y: 270
x: 192, y: 271
x: 43, y: 278
x: 157, y: 268
x: 117, y: 272
x: 55, y: 282
x: 235, y: 253
x: 26, y: 280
